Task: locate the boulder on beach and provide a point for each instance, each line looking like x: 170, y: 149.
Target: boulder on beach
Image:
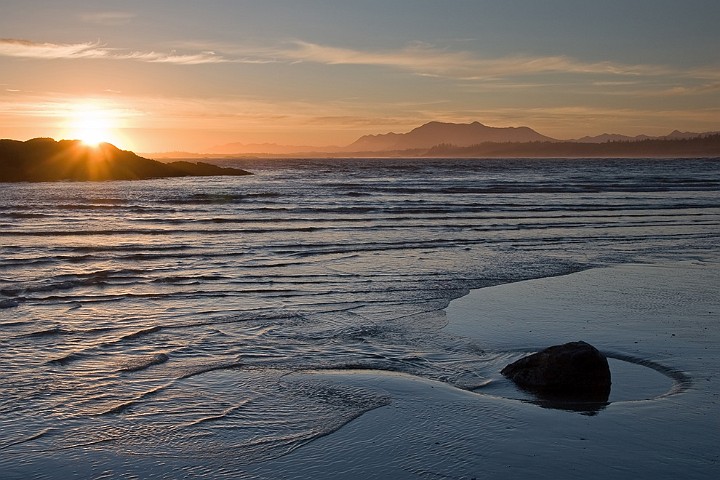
x: 574, y: 371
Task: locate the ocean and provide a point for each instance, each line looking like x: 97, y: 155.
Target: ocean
x: 160, y: 319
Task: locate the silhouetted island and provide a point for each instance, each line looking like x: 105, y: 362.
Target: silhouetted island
x: 435, y: 133
x: 45, y: 160
x: 701, y: 146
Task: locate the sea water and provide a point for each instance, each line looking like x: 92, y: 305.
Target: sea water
x: 154, y: 320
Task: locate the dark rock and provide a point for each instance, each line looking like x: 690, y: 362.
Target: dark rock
x: 45, y: 160
x: 573, y: 371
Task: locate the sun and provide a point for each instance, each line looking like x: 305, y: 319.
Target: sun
x: 92, y: 124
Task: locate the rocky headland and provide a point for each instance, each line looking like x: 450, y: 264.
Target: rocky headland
x: 47, y: 160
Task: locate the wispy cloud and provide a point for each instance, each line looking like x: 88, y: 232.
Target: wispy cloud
x: 418, y: 58
x: 37, y: 107
x: 172, y: 57
x: 576, y: 121
x: 11, y: 47
x: 429, y: 60
x: 690, y: 90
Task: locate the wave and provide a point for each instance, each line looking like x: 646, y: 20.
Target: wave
x: 66, y: 359
x: 30, y: 438
x: 145, y: 362
x: 222, y: 198
x: 16, y: 323
x: 123, y: 406
x: 124, y: 248
x: 152, y: 232
x: 139, y: 333
x: 552, y: 189
x: 222, y: 415
x: 81, y: 206
x: 49, y: 332
x: 190, y: 279
x: 10, y: 303
x: 22, y: 215
x: 97, y: 278
x: 210, y: 368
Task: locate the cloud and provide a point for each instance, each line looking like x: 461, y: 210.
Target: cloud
x: 690, y: 90
x: 173, y: 57
x: 10, y: 47
x: 706, y: 73
x: 418, y: 58
x: 34, y: 106
x: 575, y: 121
x: 428, y: 60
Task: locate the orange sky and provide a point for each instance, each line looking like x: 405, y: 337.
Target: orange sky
x: 185, y: 75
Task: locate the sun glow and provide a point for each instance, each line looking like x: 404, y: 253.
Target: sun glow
x: 92, y: 125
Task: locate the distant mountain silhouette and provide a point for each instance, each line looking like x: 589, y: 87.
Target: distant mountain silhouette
x: 436, y: 133
x: 678, y: 135
x: 610, y: 137
x: 44, y: 160
x: 702, y: 146
x: 615, y: 137
x: 462, y: 138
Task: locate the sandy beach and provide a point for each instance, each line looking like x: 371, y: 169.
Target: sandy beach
x: 657, y: 323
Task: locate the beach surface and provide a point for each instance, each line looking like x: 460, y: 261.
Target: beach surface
x: 657, y: 323
x: 349, y: 318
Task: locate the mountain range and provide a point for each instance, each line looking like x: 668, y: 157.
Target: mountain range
x: 436, y: 133
x: 423, y: 138
x: 616, y: 137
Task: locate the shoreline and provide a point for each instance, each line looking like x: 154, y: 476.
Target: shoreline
x: 646, y: 318
x: 431, y: 428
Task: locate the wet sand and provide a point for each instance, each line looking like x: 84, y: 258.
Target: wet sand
x: 660, y: 326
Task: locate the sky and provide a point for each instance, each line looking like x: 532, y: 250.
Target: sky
x: 184, y: 75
